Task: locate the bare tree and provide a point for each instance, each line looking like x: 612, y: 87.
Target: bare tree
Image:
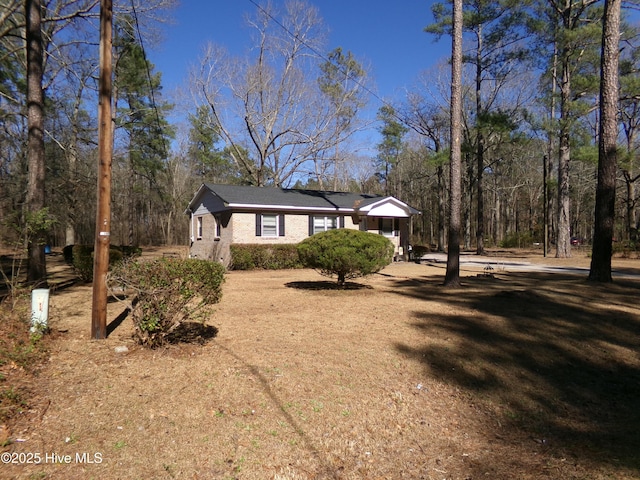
x: 270, y: 109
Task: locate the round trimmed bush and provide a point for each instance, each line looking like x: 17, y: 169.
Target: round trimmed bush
x: 345, y: 253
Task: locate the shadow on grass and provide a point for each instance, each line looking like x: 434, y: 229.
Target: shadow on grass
x: 326, y: 285
x: 555, y: 357
x: 192, y: 332
x: 185, y: 332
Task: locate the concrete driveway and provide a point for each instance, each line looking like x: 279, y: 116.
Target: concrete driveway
x: 501, y: 265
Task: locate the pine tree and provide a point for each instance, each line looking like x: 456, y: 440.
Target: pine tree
x: 141, y: 118
x: 452, y: 275
x: 389, y: 149
x: 607, y: 152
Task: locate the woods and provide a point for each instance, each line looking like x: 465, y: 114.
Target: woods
x: 292, y: 111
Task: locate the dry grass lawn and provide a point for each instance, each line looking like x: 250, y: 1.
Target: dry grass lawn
x: 514, y: 376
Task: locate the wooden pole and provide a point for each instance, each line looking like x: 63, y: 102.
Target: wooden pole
x: 105, y: 153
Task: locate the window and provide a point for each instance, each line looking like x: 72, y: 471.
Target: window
x: 198, y: 227
x: 322, y: 224
x: 269, y: 225
x: 218, y: 227
x: 386, y: 227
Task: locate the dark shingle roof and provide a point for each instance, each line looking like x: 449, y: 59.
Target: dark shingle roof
x: 282, y: 197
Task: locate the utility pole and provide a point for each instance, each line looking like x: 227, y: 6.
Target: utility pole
x: 105, y: 153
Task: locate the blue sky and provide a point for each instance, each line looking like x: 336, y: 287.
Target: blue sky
x: 388, y: 35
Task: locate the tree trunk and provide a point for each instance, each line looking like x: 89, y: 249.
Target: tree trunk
x: 480, y: 199
x: 479, y: 150
x: 72, y: 168
x: 607, y: 160
x: 37, y: 270
x: 631, y: 222
x: 452, y: 276
x: 442, y: 192
x: 499, y: 227
x: 131, y: 202
x: 467, y: 206
x: 563, y: 235
x: 548, y: 163
x: 72, y: 204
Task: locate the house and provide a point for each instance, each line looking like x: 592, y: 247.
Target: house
x: 221, y: 215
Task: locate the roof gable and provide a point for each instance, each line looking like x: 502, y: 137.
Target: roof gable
x: 388, y: 207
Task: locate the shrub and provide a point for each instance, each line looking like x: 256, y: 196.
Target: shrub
x: 241, y: 258
x: 345, y: 253
x: 21, y: 356
x: 128, y: 251
x: 83, y: 260
x: 517, y: 240
x: 418, y: 251
x: 268, y: 257
x: 626, y: 249
x: 169, y: 293
x: 67, y: 254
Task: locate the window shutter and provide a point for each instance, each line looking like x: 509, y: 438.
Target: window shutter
x: 396, y: 227
x: 281, y: 225
x: 341, y: 221
x: 310, y: 225
x: 258, y: 225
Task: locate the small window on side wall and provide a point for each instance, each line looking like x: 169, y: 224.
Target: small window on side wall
x: 198, y: 227
x: 218, y: 227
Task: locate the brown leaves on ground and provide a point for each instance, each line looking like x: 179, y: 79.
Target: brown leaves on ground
x: 515, y: 375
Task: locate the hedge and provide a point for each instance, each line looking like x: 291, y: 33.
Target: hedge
x: 265, y: 257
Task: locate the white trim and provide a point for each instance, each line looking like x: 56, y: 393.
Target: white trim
x: 195, y: 197
x: 282, y: 208
x: 191, y: 228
